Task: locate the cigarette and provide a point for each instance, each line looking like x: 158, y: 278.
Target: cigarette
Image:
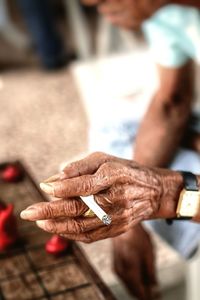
x: 97, y: 210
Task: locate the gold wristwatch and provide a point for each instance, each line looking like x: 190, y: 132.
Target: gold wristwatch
x: 189, y: 199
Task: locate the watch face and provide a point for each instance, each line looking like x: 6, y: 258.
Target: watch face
x: 189, y: 204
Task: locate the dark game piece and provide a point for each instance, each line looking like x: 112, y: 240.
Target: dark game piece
x: 56, y: 245
x: 11, y: 173
x: 8, y: 227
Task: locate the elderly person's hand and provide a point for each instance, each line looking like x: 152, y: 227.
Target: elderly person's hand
x: 134, y: 263
x: 127, y: 13
x: 128, y: 192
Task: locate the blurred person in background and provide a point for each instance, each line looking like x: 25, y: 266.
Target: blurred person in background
x: 172, y: 30
x: 40, y: 19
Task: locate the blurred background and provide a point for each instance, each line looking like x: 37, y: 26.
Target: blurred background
x: 62, y: 69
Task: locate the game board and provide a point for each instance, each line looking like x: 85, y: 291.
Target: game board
x: 28, y: 272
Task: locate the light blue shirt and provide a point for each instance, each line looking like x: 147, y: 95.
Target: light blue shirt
x: 173, y: 33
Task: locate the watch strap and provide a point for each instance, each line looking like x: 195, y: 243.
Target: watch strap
x: 170, y: 221
x: 190, y: 181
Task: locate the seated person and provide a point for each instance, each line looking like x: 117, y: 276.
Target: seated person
x: 40, y: 20
x: 160, y: 133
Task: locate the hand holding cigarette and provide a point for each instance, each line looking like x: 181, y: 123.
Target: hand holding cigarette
x: 124, y: 192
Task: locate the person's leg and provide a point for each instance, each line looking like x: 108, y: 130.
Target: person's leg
x: 39, y: 17
x: 9, y: 31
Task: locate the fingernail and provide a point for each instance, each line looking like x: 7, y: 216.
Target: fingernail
x: 52, y: 178
x: 27, y: 213
x: 62, y: 175
x: 40, y: 223
x: 47, y: 188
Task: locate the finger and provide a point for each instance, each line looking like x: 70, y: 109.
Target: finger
x: 149, y: 277
x: 84, y: 166
x: 91, y: 164
x: 79, y: 186
x: 101, y: 233
x: 135, y: 285
x: 107, y: 174
x: 54, y: 209
x: 155, y: 292
x: 87, y: 165
x: 82, y: 224
x: 127, y: 265
x: 132, y: 277
x: 150, y: 274
x: 70, y: 225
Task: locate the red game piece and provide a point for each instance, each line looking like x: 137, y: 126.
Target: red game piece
x: 56, y: 245
x: 8, y: 227
x: 11, y: 173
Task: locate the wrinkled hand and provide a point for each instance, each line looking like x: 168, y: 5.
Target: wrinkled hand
x: 134, y: 261
x: 126, y: 13
x: 126, y: 191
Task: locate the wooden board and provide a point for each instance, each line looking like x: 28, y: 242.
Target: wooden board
x: 28, y: 272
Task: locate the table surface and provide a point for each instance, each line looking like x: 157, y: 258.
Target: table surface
x: 28, y: 272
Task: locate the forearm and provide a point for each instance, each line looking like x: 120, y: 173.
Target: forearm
x: 160, y: 133
x: 164, y: 124
x: 194, y: 3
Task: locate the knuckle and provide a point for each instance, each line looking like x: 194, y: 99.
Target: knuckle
x: 50, y: 227
x: 98, y: 154
x: 125, y: 215
x: 77, y: 207
x: 72, y: 207
x: 66, y: 208
x: 89, y: 186
x: 48, y: 211
x: 107, y: 165
x: 77, y: 227
x: 126, y: 203
x: 71, y: 166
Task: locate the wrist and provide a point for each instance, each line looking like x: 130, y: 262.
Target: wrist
x: 172, y: 185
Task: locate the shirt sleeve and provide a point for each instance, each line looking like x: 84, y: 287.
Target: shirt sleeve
x: 164, y: 43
